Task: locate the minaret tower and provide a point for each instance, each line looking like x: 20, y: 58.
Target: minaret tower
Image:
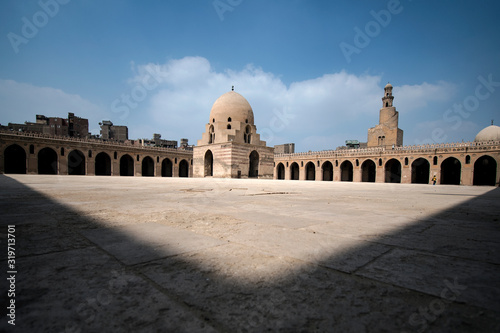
x: 388, y: 98
x: 386, y: 134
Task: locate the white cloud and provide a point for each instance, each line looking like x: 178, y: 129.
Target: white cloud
x: 331, y: 106
x: 316, y: 114
x: 419, y: 96
x: 20, y: 102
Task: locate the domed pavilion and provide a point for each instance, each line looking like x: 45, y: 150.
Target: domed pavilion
x: 230, y: 147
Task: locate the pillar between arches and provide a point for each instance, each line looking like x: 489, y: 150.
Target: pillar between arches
x: 406, y: 173
x: 356, y: 173
x: 62, y: 168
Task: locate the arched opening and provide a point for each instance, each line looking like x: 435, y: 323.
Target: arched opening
x: 253, y: 168
x: 246, y: 135
x: 47, y: 162
x: 76, y: 163
x: 327, y: 171
x: 451, y: 170
x: 485, y: 171
x: 14, y: 159
x: 420, y: 171
x: 126, y: 165
x: 368, y: 171
x: 166, y: 168
x: 346, y: 171
x: 148, y: 167
x: 310, y: 171
x: 211, y: 134
x: 102, y: 164
x: 294, y: 171
x: 280, y: 171
x: 228, y: 126
x: 393, y: 171
x: 183, y: 169
x: 209, y: 164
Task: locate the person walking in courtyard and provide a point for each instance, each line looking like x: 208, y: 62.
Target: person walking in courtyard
x: 434, y: 179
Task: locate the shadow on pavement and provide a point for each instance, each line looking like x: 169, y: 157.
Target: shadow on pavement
x: 440, y: 274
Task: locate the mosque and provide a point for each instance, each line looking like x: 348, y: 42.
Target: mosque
x: 231, y: 147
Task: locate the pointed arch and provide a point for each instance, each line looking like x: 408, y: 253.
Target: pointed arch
x: 485, y: 171
x: 393, y: 171
x: 126, y: 165
x: 47, y: 162
x: 253, y: 167
x: 310, y: 171
x: 368, y: 171
x: 209, y: 164
x: 76, y: 163
x: 346, y: 171
x: 420, y: 171
x: 166, y: 168
x: 280, y: 171
x: 102, y: 164
x: 183, y: 169
x: 327, y: 169
x: 294, y: 171
x: 14, y: 159
x: 451, y: 171
x: 148, y: 167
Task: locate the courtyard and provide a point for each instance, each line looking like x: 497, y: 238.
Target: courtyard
x: 144, y: 254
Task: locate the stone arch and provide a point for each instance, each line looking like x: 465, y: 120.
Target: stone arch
x: 14, y: 159
x: 393, y: 171
x: 485, y: 171
x: 368, y: 171
x: 247, y: 134
x: 47, y: 162
x: 166, y: 168
x: 76, y: 163
x: 183, y: 168
x: 451, y: 170
x: 102, y: 164
x: 280, y: 171
x: 294, y: 171
x: 346, y: 171
x: 310, y: 171
x: 420, y: 171
x: 253, y: 168
x: 209, y: 164
x: 327, y: 169
x: 126, y: 165
x: 211, y: 134
x: 148, y: 167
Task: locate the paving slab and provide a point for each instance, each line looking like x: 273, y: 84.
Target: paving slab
x: 473, y: 282
x: 150, y: 241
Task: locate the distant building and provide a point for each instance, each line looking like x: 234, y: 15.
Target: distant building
x: 73, y: 126
x: 185, y: 145
x: 158, y: 142
x: 287, y: 148
x: 112, y: 132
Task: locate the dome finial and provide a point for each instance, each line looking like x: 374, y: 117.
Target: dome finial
x: 492, y: 121
x: 232, y: 88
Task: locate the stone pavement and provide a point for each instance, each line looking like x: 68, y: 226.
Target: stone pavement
x: 138, y: 254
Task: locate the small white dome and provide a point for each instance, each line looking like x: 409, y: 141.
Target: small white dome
x: 490, y: 133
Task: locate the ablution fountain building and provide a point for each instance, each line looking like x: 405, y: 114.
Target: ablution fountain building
x: 231, y: 147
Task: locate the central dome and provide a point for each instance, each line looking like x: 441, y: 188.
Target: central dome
x: 231, y: 105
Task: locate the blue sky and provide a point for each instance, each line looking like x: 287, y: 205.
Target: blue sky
x: 313, y: 71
